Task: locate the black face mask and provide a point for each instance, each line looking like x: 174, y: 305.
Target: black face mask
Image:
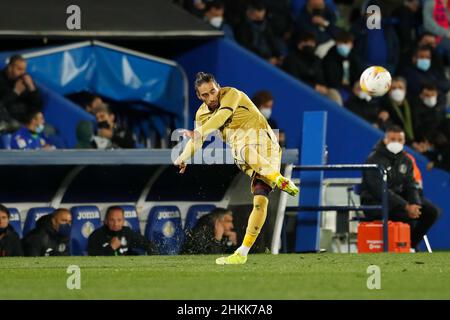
x: 103, y: 125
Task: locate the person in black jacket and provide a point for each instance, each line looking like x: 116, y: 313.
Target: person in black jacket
x: 9, y: 239
x: 115, y: 239
x: 110, y: 134
x: 303, y: 64
x: 255, y: 33
x: 403, y: 193
x: 51, y: 236
x: 18, y: 94
x: 213, y: 234
x: 339, y: 65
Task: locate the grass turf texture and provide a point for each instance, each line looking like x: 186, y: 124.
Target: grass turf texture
x: 288, y: 276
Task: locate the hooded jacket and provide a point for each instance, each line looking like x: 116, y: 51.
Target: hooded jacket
x: 45, y: 241
x: 402, y: 188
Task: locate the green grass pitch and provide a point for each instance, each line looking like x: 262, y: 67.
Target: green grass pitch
x: 265, y: 276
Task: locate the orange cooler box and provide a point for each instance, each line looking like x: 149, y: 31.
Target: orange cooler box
x: 370, y: 237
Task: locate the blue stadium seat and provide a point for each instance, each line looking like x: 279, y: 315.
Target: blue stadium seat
x: 5, y: 141
x: 33, y: 215
x: 14, y: 220
x: 195, y: 212
x: 164, y: 229
x: 131, y: 218
x: 85, y: 219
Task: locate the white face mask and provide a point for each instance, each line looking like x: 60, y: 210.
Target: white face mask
x: 398, y: 95
x: 364, y: 96
x: 394, y: 147
x: 430, y: 102
x: 266, y: 112
x: 216, y: 22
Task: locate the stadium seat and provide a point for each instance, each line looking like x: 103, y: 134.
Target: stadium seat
x: 14, y: 220
x: 33, y: 215
x: 194, y: 213
x: 85, y: 219
x: 164, y: 229
x: 5, y: 141
x: 131, y: 218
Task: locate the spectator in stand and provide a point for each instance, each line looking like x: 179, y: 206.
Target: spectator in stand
x: 31, y: 135
x: 376, y: 47
x: 91, y: 102
x: 214, y: 15
x: 430, y: 112
x: 436, y: 20
x: 421, y: 71
x: 281, y: 21
x: 9, y: 240
x: 51, y: 236
x: 304, y: 65
x: 366, y: 107
x: 405, y: 203
x: 408, y: 17
x: 339, y: 65
x: 110, y: 134
x: 255, y: 33
x: 263, y: 100
x: 400, y: 111
x: 436, y: 147
x: 316, y: 17
x: 116, y: 239
x: 213, y: 234
x: 18, y: 94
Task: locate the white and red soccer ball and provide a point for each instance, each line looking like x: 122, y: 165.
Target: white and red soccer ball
x: 375, y: 81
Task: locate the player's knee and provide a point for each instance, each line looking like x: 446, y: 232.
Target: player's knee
x: 260, y: 188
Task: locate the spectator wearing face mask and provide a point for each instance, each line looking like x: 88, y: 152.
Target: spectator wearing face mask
x: 263, y: 100
x: 9, y: 240
x: 362, y: 104
x: 339, y: 65
x: 304, y: 65
x: 430, y: 110
x: 51, y: 236
x: 31, y: 135
x: 316, y: 17
x: 399, y: 110
x: 404, y: 199
x: 421, y: 71
x: 256, y: 34
x: 214, y: 15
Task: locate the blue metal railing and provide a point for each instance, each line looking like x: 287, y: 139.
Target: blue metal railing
x: 353, y: 167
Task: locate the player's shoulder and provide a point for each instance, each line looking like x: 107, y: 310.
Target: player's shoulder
x: 231, y: 90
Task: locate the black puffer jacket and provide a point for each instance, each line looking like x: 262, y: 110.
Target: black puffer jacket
x: 44, y: 240
x: 10, y: 243
x: 402, y: 187
x: 99, y: 242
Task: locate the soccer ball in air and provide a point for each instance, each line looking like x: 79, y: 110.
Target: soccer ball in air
x: 375, y: 81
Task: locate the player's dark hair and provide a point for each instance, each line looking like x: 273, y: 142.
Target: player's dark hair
x: 429, y: 86
x: 203, y: 77
x: 5, y: 210
x: 344, y: 36
x: 257, y: 5
x: 394, y: 128
x: 262, y: 97
x: 113, y: 208
x: 216, y: 4
x: 29, y: 116
x: 14, y: 58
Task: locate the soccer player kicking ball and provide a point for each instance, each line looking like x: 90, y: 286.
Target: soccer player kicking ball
x: 254, y: 146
